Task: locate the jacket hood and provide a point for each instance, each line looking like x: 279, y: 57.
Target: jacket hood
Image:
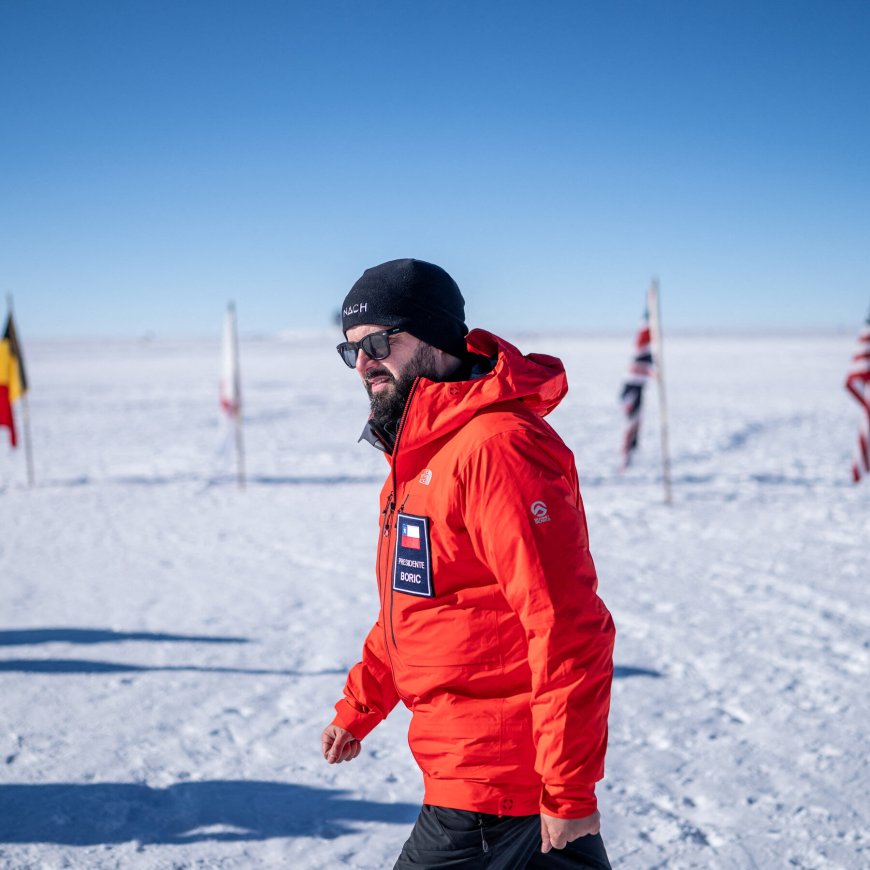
x: 437, y: 408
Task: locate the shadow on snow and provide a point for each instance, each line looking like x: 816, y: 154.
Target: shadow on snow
x: 622, y: 671
x: 27, y: 636
x: 209, y: 481
x: 190, y: 812
x: 85, y: 666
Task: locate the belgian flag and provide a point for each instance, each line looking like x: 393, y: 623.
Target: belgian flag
x: 13, y: 380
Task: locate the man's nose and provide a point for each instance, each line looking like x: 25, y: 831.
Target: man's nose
x: 363, y: 362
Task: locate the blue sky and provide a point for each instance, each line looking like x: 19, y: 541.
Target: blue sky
x: 159, y: 158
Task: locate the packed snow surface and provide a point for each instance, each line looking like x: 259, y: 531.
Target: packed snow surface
x: 171, y: 646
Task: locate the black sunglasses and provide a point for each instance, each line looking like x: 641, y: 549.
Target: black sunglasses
x: 375, y: 344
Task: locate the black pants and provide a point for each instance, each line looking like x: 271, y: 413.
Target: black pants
x: 464, y: 840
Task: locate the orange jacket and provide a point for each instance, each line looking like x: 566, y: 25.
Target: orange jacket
x: 490, y: 629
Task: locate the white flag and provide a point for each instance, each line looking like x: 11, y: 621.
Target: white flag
x: 231, y: 390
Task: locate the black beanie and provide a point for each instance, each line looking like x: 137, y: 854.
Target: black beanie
x: 418, y: 296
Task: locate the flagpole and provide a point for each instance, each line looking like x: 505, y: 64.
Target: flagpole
x: 25, y: 406
x: 659, y: 366
x: 240, y: 452
x: 28, y: 451
x: 237, y: 389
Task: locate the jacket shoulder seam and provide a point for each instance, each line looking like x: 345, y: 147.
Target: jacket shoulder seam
x: 514, y: 427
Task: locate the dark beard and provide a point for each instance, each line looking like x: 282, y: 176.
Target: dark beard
x: 388, y: 405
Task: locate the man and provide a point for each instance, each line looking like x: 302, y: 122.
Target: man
x: 489, y: 629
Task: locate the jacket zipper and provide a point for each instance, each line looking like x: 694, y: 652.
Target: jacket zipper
x: 392, y: 504
x: 385, y: 513
x: 385, y: 531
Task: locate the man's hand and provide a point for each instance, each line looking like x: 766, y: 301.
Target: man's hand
x: 555, y: 833
x: 339, y: 745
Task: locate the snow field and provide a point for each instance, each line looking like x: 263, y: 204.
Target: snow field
x: 170, y: 647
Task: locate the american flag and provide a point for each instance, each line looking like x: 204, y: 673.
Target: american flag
x: 858, y: 384
x: 639, y: 372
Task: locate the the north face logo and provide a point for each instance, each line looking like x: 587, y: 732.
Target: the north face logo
x: 540, y: 512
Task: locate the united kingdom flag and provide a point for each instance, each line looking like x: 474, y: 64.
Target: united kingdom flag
x: 639, y: 372
x: 858, y: 384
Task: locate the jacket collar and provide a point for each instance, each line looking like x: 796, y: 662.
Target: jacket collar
x: 498, y: 373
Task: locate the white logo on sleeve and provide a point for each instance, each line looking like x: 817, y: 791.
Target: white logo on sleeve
x: 426, y: 477
x: 540, y: 512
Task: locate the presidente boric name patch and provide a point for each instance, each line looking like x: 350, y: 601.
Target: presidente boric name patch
x: 412, y: 566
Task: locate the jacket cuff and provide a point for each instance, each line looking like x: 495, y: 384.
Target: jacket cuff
x: 576, y: 802
x: 360, y: 723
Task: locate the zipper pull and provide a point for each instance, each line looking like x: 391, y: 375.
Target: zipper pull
x: 482, y: 838
x: 388, y: 513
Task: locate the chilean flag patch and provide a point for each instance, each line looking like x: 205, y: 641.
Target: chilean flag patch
x: 412, y: 565
x: 411, y: 536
